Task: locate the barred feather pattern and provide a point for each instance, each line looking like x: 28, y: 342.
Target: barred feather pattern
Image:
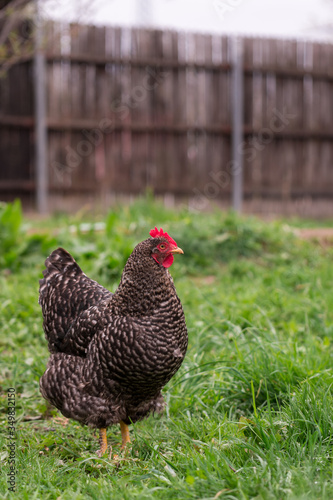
x: 65, y: 295
x: 111, y: 354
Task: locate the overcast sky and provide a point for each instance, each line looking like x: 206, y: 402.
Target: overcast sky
x: 286, y: 18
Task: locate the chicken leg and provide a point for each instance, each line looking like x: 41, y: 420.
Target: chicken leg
x: 103, y: 442
x: 125, y: 437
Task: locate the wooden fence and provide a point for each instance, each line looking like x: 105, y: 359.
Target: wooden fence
x: 131, y: 109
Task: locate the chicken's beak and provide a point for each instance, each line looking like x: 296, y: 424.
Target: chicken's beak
x: 177, y: 250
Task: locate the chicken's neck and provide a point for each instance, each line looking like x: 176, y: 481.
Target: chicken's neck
x: 144, y: 287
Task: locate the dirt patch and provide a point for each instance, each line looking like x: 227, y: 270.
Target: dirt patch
x: 322, y: 235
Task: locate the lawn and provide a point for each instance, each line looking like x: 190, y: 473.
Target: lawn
x: 250, y: 412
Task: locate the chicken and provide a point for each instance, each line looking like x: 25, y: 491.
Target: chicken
x: 111, y: 354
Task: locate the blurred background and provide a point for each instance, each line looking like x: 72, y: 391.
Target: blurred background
x: 200, y: 103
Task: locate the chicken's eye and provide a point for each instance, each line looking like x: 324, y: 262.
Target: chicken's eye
x: 162, y: 246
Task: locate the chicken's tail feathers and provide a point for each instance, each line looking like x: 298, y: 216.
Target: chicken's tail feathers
x: 65, y: 293
x: 60, y: 258
x: 59, y: 262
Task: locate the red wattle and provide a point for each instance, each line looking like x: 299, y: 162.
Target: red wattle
x: 167, y: 262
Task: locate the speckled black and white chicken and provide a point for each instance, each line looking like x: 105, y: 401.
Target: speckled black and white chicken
x: 111, y: 354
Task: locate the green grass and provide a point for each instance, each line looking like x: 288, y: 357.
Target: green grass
x: 249, y: 414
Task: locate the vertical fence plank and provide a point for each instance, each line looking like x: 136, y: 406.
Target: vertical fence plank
x: 255, y: 166
x: 270, y: 168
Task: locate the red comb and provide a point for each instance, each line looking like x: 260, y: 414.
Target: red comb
x: 155, y: 233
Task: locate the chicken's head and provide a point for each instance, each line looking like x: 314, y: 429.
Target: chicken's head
x: 165, y: 247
